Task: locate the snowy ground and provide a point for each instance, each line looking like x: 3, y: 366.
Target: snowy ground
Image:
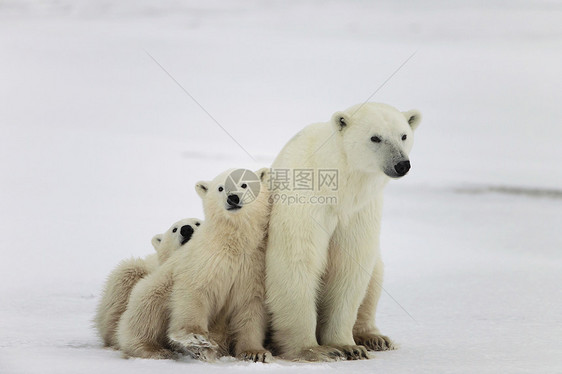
x: 100, y: 149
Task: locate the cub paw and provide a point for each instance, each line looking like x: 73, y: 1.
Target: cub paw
x: 354, y: 352
x: 194, y: 340
x: 374, y: 342
x: 203, y: 354
x: 256, y: 356
x: 320, y: 353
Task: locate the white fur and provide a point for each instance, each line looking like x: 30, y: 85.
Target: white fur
x: 212, y: 300
x: 123, y: 278
x: 323, y: 262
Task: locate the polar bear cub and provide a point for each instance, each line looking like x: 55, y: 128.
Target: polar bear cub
x: 211, y: 302
x: 123, y: 278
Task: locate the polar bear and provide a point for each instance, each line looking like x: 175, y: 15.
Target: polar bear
x: 323, y: 264
x: 123, y: 278
x: 177, y: 235
x: 212, y: 302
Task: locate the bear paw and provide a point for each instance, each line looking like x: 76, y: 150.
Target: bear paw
x: 194, y: 340
x: 256, y: 356
x: 196, y: 345
x: 374, y: 342
x: 354, y: 352
x: 203, y: 354
x: 320, y: 353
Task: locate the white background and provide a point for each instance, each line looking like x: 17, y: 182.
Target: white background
x: 100, y: 150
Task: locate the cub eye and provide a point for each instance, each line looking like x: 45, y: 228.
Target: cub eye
x: 197, y: 224
x: 404, y: 137
x: 221, y: 189
x: 375, y: 139
x: 244, y: 185
x: 175, y: 229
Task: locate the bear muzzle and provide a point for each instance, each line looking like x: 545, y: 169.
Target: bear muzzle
x: 399, y: 170
x: 186, y: 233
x: 402, y: 168
x: 233, y: 202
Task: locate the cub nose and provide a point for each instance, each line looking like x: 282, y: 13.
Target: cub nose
x: 233, y: 200
x: 402, y: 168
x: 186, y: 231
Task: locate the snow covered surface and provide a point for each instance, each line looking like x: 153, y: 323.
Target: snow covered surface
x: 100, y: 149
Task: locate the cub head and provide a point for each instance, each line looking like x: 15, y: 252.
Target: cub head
x: 236, y: 195
x: 177, y: 235
x: 377, y: 137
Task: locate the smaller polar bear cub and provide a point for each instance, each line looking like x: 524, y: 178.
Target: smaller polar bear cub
x: 123, y: 278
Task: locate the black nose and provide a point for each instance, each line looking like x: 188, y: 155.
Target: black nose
x: 402, y: 167
x: 186, y: 231
x: 233, y: 200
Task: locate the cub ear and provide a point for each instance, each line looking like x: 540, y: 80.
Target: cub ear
x: 340, y: 120
x: 202, y: 188
x: 262, y: 174
x: 156, y: 240
x: 413, y: 117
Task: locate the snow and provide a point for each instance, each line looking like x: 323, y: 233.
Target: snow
x: 100, y: 149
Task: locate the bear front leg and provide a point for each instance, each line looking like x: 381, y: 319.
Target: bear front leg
x: 350, y: 264
x: 295, y: 260
x: 248, y: 326
x: 189, y: 321
x: 249, y: 317
x: 365, y: 331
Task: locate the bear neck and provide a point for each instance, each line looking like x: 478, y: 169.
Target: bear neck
x: 240, y: 234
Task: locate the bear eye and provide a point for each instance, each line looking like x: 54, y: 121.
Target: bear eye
x: 175, y: 229
x: 244, y: 185
x: 221, y: 189
x: 197, y: 224
x: 404, y: 137
x: 375, y: 139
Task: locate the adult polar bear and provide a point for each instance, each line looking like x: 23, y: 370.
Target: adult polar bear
x: 323, y: 264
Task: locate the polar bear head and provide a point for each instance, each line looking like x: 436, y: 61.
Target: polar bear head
x: 177, y: 235
x: 237, y: 196
x: 377, y: 137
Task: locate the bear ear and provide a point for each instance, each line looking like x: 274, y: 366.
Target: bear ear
x: 202, y: 188
x: 156, y: 240
x: 413, y: 117
x: 262, y: 174
x: 340, y: 120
